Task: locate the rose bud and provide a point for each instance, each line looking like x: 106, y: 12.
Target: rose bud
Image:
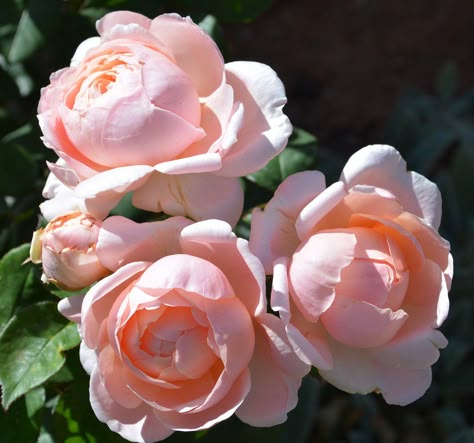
x: 66, y: 248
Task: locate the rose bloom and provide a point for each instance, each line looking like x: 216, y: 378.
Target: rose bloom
x: 150, y: 106
x: 66, y: 247
x: 360, y: 273
x: 181, y: 339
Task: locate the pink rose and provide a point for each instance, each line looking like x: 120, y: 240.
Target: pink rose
x: 360, y: 273
x: 66, y: 247
x: 182, y: 340
x: 150, y: 106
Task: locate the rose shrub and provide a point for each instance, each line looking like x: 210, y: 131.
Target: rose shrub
x: 151, y: 107
x: 360, y: 273
x: 66, y: 248
x: 178, y: 337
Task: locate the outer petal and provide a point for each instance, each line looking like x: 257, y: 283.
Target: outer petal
x: 108, y: 21
x: 70, y: 307
x: 83, y: 48
x: 307, y: 338
x: 384, y: 167
x: 199, y: 196
x: 194, y: 51
x: 138, y: 425
x: 123, y: 241
x: 276, y: 374
x: 265, y: 129
x: 273, y: 233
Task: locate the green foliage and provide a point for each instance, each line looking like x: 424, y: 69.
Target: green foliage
x: 31, y: 348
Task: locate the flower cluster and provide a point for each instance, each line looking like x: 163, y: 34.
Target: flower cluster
x: 176, y: 329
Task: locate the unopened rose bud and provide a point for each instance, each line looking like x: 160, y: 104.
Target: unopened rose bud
x: 66, y: 248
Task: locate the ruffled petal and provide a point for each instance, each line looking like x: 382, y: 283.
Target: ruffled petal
x: 383, y: 166
x: 265, y: 129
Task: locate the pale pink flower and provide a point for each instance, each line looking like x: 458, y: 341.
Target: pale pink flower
x: 151, y: 107
x: 178, y: 337
x: 360, y: 273
x: 66, y: 247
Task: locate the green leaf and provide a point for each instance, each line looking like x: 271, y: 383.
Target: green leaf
x: 299, y: 155
x: 31, y: 348
x: 13, y: 276
x: 37, y: 22
x: 447, y: 82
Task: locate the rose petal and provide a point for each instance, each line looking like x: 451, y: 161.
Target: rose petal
x: 139, y: 424
x: 70, y: 307
x: 265, y: 129
x: 361, y: 325
x: 192, y: 48
x: 316, y: 269
x: 123, y: 241
x: 272, y: 233
x: 383, y: 166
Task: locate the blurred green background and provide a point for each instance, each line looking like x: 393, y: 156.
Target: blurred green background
x: 357, y: 72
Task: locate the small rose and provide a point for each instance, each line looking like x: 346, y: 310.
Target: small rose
x: 360, y: 273
x: 66, y: 247
x: 182, y: 340
x: 150, y: 106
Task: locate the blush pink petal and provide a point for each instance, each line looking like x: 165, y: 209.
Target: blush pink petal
x: 316, y: 269
x: 105, y: 24
x: 123, y: 241
x: 214, y: 241
x: 100, y: 298
x: 70, y: 307
x: 272, y: 232
x: 188, y: 275
x: 382, y: 166
x: 65, y: 175
x: 361, y: 325
x: 121, y: 130
x: 312, y: 213
x: 265, y: 129
x: 309, y: 345
x: 426, y: 301
x: 88, y: 357
x: 83, y: 48
x: 199, y: 196
x: 192, y: 48
x: 137, y: 425
x: 415, y: 352
x: 208, y: 162
x: 276, y: 373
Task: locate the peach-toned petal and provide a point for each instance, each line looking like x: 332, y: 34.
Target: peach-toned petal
x: 361, y: 325
x: 214, y: 241
x: 276, y: 375
x: 123, y: 241
x: 192, y: 49
x: 383, y: 166
x: 138, y: 424
x: 114, y: 382
x: 265, y: 129
x: 316, y: 269
x: 100, y: 298
x: 187, y: 275
x: 212, y: 415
